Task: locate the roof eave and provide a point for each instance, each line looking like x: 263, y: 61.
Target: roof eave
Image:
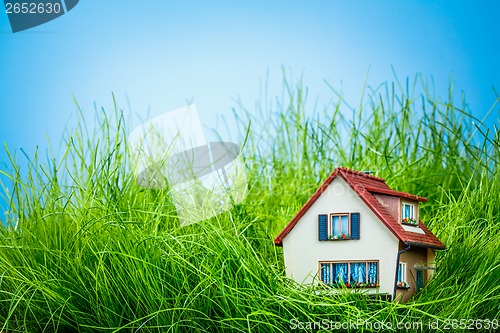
x: 430, y: 246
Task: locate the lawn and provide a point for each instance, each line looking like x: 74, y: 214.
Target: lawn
x: 87, y: 250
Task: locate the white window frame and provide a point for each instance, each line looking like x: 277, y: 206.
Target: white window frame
x: 330, y: 229
x: 412, y: 211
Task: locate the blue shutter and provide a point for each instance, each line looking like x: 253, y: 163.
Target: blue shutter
x: 355, y: 225
x: 322, y: 228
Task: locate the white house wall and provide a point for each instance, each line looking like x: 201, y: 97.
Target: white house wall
x: 302, y: 249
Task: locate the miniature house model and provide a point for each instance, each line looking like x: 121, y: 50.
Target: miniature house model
x: 356, y: 232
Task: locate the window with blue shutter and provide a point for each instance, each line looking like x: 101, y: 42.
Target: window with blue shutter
x: 322, y: 227
x: 355, y: 225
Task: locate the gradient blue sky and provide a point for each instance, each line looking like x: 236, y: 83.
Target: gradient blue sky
x: 162, y: 54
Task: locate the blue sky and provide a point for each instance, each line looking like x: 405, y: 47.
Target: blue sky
x: 162, y: 54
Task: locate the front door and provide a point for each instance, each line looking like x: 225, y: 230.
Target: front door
x: 420, y: 279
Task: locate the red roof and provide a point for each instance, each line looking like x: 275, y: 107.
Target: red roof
x: 365, y: 185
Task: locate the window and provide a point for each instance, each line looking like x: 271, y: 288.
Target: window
x: 351, y: 274
x: 408, y: 211
x: 402, y: 272
x: 340, y: 226
x: 408, y: 215
x: 401, y: 278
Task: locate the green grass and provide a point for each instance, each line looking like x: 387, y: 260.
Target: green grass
x: 86, y: 250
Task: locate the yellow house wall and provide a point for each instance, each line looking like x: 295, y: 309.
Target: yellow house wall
x: 413, y: 256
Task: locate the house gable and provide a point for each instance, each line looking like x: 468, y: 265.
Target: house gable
x: 337, y: 199
x: 303, y: 251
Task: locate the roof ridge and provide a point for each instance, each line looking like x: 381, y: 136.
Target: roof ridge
x: 360, y: 173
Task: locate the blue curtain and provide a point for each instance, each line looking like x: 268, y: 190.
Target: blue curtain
x: 407, y: 211
x: 335, y: 225
x: 400, y: 273
x: 340, y: 225
x: 340, y: 273
x: 373, y: 272
x: 345, y: 224
x: 358, y: 272
x: 325, y: 273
